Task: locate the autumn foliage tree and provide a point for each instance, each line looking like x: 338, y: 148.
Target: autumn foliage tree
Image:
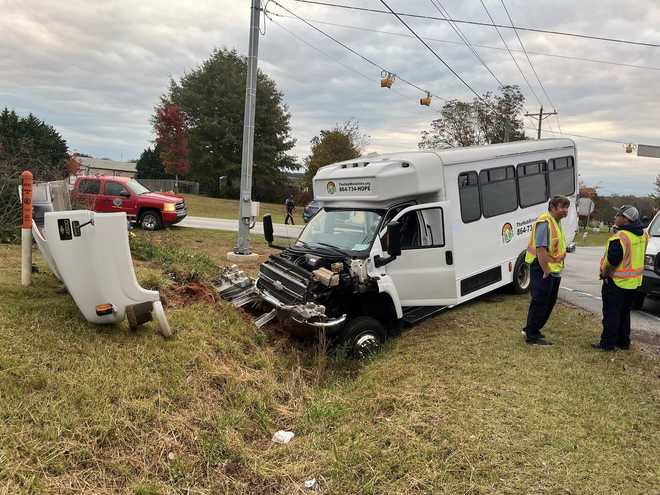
x: 72, y: 165
x: 172, y: 139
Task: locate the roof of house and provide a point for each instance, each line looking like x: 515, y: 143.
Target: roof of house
x: 102, y: 164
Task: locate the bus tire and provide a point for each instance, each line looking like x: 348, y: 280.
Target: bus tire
x: 521, y: 276
x: 362, y: 336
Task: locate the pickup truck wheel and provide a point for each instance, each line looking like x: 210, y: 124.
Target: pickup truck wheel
x: 363, y: 336
x: 521, y: 276
x: 150, y: 220
x: 638, y: 300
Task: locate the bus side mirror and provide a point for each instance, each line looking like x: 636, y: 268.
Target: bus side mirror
x: 394, y: 239
x: 268, y: 229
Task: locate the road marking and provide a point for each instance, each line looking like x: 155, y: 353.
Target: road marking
x: 649, y: 315
x: 577, y: 291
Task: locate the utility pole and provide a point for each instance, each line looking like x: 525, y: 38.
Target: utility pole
x: 245, y: 199
x: 540, y: 116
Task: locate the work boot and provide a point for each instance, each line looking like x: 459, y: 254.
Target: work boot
x: 601, y: 347
x: 538, y: 341
x: 539, y: 335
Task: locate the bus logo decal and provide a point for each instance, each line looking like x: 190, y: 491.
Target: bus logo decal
x: 507, y: 233
x: 331, y: 187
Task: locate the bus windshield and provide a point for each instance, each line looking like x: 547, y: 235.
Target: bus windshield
x: 351, y: 230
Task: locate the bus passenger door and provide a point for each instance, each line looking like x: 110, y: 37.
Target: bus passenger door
x: 424, y: 273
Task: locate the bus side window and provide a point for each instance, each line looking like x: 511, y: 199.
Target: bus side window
x: 422, y: 229
x: 499, y: 193
x: 532, y: 185
x: 468, y: 191
x: 561, y: 176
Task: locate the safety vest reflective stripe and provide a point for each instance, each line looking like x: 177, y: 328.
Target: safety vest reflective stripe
x: 626, y: 275
x: 554, y: 248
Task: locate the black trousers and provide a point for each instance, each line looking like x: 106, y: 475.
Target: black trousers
x: 544, y: 296
x: 289, y: 215
x: 617, y: 303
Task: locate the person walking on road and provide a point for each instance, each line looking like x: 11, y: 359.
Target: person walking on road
x: 621, y: 270
x: 545, y: 255
x: 290, y: 209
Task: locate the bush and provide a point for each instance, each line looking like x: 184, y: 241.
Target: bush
x: 10, y: 210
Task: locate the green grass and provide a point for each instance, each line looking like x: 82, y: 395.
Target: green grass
x: 203, y: 206
x: 592, y: 239
x: 458, y: 404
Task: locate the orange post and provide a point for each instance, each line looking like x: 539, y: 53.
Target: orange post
x: 26, y: 229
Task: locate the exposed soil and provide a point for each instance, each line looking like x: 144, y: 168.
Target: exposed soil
x: 178, y: 295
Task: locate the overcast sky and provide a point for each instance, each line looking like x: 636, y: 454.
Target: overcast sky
x: 95, y: 70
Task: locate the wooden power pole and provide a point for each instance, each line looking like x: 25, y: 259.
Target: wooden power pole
x: 540, y: 116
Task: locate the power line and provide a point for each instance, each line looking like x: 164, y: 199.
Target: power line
x: 477, y: 23
x: 511, y: 54
x: 529, y: 60
x: 488, y: 47
x: 432, y: 51
x: 344, y: 45
x: 326, y: 54
x: 413, y: 85
x: 464, y: 38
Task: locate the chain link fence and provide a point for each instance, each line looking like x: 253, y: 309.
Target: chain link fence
x: 171, y: 185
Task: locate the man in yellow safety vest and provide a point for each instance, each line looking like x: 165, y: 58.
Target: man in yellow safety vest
x: 545, y: 254
x: 621, y: 269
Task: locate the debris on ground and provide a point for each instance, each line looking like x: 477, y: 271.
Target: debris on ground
x: 311, y: 485
x: 283, y: 436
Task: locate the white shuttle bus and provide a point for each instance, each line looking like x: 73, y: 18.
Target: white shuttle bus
x: 401, y: 236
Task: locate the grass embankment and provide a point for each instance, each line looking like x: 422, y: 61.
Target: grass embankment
x: 456, y: 405
x: 204, y: 206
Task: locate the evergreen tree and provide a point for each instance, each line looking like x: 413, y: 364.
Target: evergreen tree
x: 150, y: 166
x: 212, y: 96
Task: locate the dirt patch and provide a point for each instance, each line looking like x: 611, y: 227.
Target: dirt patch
x: 182, y: 294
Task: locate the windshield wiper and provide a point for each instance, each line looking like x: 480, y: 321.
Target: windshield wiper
x: 334, y: 248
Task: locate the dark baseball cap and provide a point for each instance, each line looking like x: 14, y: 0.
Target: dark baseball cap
x: 628, y: 211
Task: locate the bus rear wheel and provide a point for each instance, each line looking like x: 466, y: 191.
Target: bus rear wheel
x: 521, y: 276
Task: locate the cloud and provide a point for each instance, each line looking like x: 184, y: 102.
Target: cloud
x: 95, y: 70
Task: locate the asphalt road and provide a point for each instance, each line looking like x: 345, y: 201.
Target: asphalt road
x: 279, y: 229
x: 581, y: 287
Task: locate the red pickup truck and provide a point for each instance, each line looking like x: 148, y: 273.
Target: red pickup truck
x: 108, y: 194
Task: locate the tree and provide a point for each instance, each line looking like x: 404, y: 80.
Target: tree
x: 172, y: 139
x: 29, y: 138
x: 457, y: 126
x: 150, y: 166
x: 343, y: 142
x: 72, y: 165
x: 212, y: 96
x: 26, y: 143
x: 488, y: 120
